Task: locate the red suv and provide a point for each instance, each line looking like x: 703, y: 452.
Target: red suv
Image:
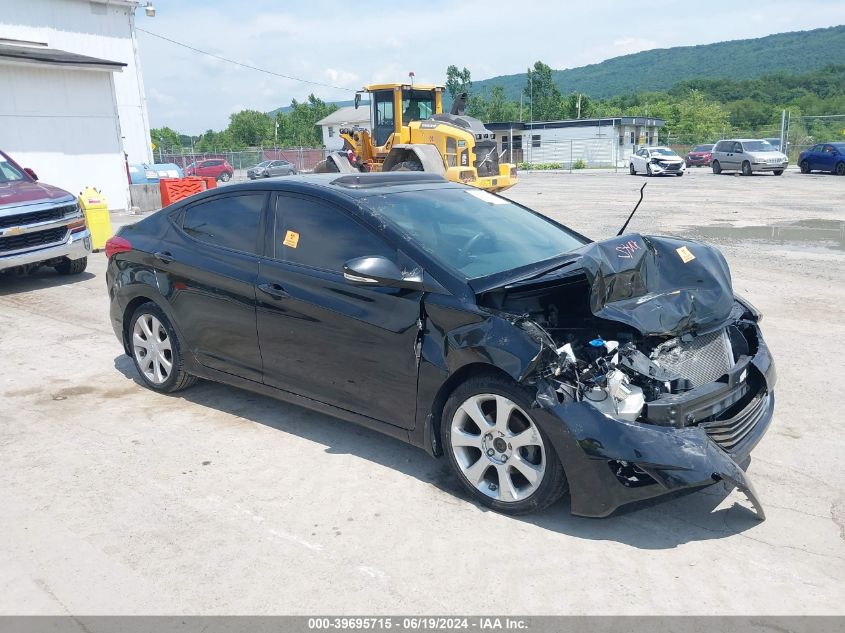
x: 211, y: 168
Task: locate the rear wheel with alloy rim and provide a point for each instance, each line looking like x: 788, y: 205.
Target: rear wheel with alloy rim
x: 840, y: 169
x: 500, y: 455
x: 157, y: 351
x: 717, y: 168
x: 746, y: 168
x: 225, y: 176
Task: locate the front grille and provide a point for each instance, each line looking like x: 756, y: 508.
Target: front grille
x: 701, y: 360
x: 729, y: 433
x: 672, y: 166
x: 35, y: 239
x: 487, y: 156
x: 37, y: 217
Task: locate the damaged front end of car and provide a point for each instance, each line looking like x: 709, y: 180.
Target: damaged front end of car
x: 651, y: 376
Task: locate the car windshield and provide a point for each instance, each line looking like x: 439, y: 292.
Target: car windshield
x: 758, y: 146
x: 9, y: 173
x: 264, y: 163
x: 662, y: 151
x: 473, y: 231
x: 702, y: 148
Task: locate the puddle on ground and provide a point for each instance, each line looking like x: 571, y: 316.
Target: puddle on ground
x: 829, y: 233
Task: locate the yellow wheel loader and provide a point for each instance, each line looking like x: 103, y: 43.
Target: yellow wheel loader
x: 410, y: 132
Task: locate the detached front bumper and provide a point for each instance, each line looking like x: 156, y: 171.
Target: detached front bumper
x: 610, y: 462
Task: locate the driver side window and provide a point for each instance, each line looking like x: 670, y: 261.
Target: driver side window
x: 314, y: 233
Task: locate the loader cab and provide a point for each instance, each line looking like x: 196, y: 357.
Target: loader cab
x: 395, y: 105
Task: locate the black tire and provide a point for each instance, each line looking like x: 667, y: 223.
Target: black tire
x: 553, y: 484
x: 178, y: 378
x: 225, y: 176
x: 778, y: 172
x: 648, y: 170
x: 680, y: 173
x: 840, y: 169
x: 717, y: 168
x: 72, y: 266
x: 746, y: 168
x: 805, y: 167
x: 407, y: 165
x: 631, y: 169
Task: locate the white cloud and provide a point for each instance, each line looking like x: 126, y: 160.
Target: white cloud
x: 326, y: 42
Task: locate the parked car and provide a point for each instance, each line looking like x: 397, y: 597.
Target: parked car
x: 40, y: 225
x: 654, y: 161
x: 823, y: 157
x: 268, y: 168
x: 212, y: 168
x: 699, y: 156
x: 747, y: 156
x: 145, y: 174
x: 534, y: 359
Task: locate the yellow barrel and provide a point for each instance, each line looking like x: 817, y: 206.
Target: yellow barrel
x: 96, y: 211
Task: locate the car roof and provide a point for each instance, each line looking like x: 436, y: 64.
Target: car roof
x: 348, y: 185
x: 659, y: 147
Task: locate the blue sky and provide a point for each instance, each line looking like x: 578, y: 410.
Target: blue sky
x: 348, y: 44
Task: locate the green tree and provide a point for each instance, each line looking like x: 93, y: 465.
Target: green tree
x: 696, y: 119
x: 543, y: 94
x: 298, y: 126
x: 250, y: 128
x: 457, y: 81
x: 165, y: 139
x: 577, y: 106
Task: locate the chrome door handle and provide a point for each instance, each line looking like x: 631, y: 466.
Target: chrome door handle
x: 274, y: 290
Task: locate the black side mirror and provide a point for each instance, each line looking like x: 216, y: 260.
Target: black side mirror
x: 31, y: 173
x: 378, y: 270
x: 357, y: 100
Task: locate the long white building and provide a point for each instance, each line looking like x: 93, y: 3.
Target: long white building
x: 73, y: 106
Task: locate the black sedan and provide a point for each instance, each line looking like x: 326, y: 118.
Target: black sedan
x: 535, y: 360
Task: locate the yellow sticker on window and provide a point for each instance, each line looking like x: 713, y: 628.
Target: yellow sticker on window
x: 685, y: 254
x: 291, y: 239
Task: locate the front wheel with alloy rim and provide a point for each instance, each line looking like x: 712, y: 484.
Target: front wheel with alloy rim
x: 631, y: 169
x: 648, y: 169
x: 746, y: 168
x: 157, y: 351
x: 499, y: 454
x: 805, y: 167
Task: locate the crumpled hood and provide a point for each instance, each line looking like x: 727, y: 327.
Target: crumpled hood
x: 25, y: 192
x: 658, y: 285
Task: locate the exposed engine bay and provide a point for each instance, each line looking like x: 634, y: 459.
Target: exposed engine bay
x: 637, y: 325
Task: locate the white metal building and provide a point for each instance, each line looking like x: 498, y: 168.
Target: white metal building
x: 343, y: 118
x: 605, y: 141
x: 73, y: 106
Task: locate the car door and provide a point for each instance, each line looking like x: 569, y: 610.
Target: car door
x: 827, y: 158
x: 814, y: 157
x: 637, y: 161
x: 349, y: 345
x: 210, y: 265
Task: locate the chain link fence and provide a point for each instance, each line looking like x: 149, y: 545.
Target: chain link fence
x: 303, y: 158
x: 569, y: 154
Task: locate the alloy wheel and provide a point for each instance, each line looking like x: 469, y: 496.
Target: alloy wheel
x: 152, y: 348
x: 497, y: 447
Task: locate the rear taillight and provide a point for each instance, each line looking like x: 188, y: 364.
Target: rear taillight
x: 115, y: 245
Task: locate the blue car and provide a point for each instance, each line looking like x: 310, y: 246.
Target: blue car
x: 823, y: 157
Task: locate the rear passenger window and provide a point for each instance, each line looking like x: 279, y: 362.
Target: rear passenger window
x: 227, y: 221
x: 314, y: 233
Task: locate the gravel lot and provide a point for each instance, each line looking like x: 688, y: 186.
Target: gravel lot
x: 114, y: 499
